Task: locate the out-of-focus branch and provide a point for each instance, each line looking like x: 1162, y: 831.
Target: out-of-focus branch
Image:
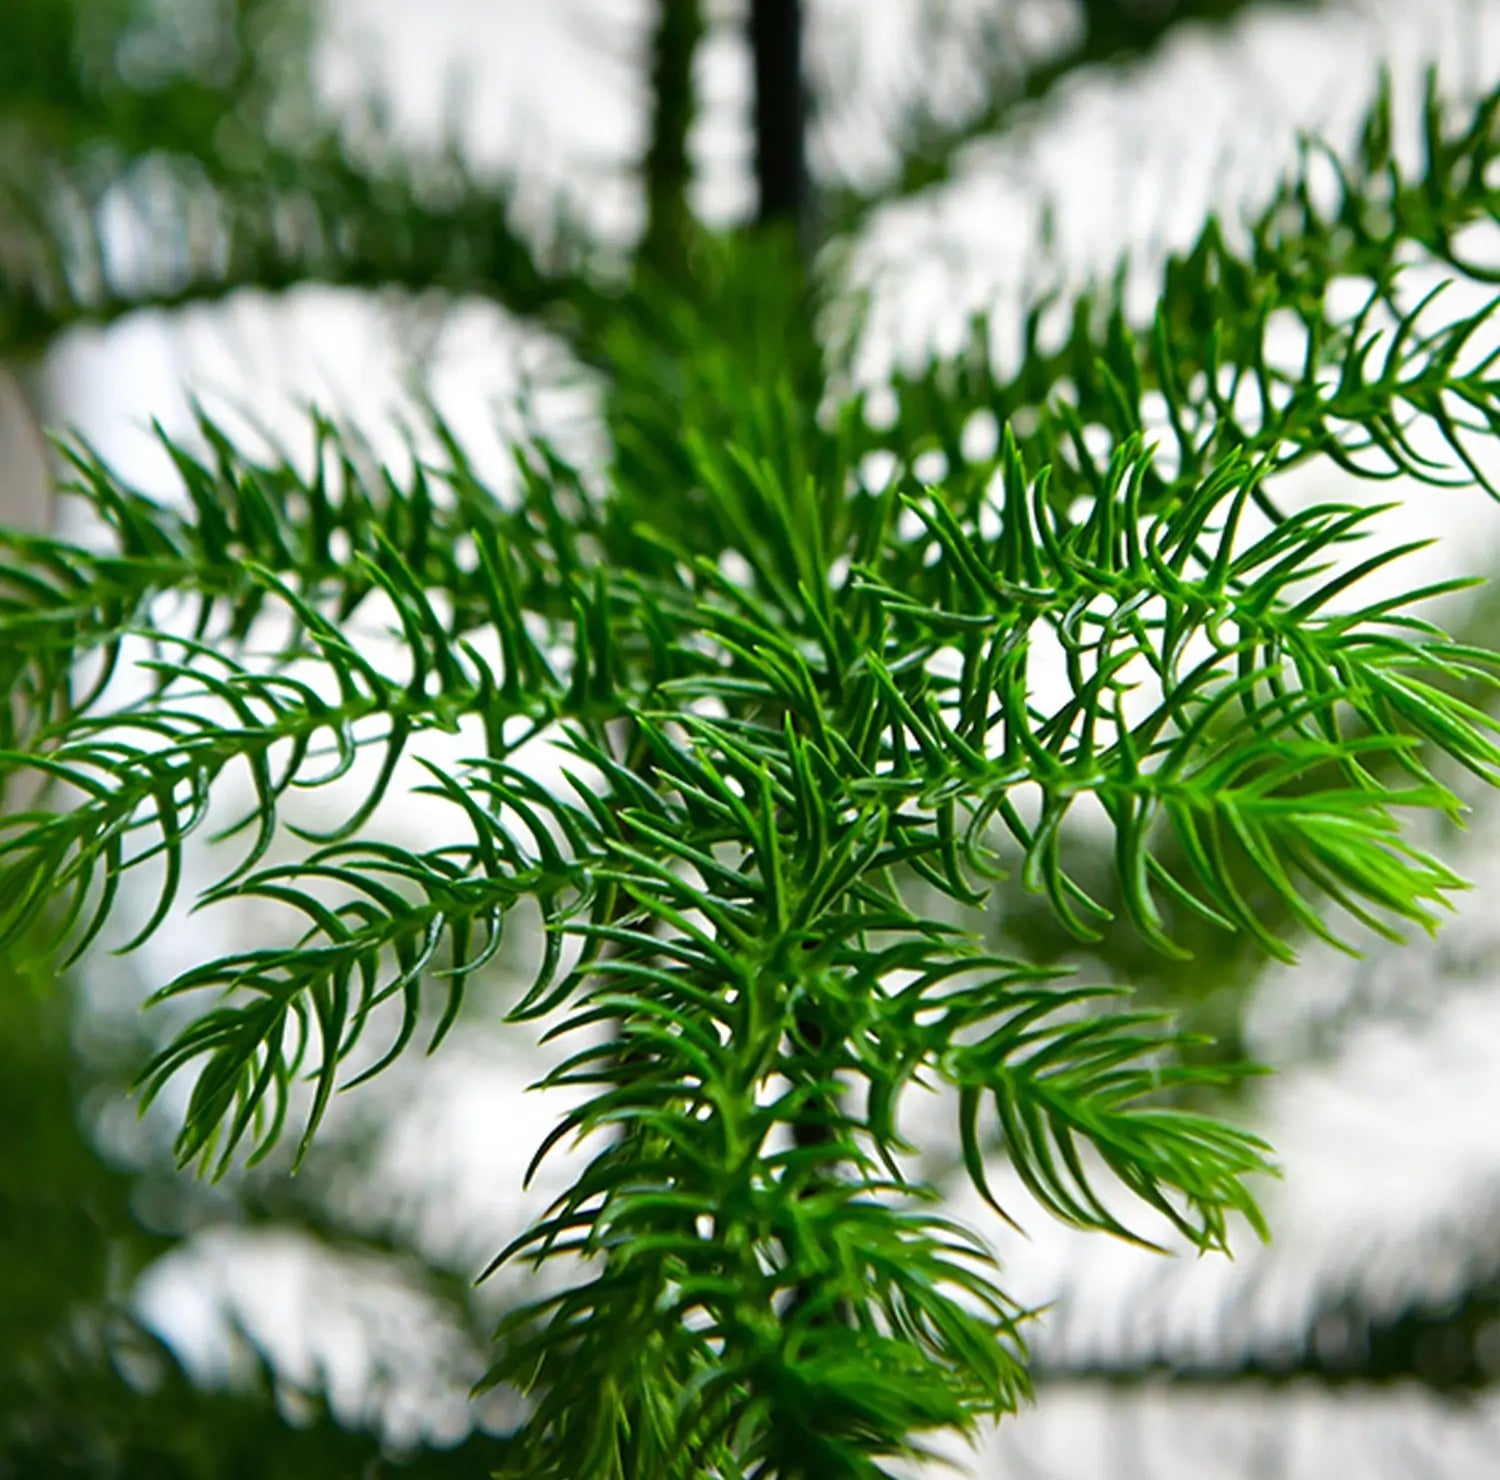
x: 1447, y: 1349
x: 199, y: 230
x: 122, y: 189
x: 929, y: 146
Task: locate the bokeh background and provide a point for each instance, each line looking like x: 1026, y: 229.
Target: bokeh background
x: 327, y: 1325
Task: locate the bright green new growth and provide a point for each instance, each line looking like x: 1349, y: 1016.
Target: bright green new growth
x: 758, y: 765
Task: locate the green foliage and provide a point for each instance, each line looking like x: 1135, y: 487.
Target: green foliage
x: 788, y: 696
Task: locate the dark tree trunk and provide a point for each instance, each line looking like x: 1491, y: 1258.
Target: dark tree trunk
x: 679, y: 28
x: 780, y: 112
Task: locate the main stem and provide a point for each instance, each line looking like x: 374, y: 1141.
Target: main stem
x: 783, y: 198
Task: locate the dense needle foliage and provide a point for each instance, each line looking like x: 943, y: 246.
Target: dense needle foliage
x: 794, y: 691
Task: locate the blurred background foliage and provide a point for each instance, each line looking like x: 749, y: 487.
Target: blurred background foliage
x: 159, y: 153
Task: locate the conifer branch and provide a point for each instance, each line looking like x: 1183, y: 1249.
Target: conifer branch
x: 833, y: 690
